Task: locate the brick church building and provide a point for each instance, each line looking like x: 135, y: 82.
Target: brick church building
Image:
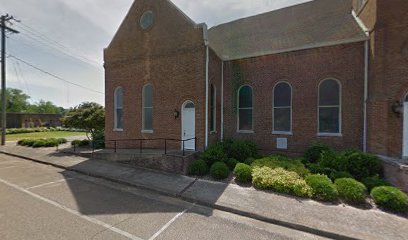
x: 330, y: 71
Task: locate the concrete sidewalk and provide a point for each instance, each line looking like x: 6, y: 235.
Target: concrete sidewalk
x: 334, y: 221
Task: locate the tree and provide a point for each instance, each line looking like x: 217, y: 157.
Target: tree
x: 44, y: 107
x: 88, y: 116
x: 17, y: 100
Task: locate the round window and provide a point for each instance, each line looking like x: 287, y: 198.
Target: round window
x: 146, y: 20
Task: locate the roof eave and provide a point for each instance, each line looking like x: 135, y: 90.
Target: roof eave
x: 301, y: 48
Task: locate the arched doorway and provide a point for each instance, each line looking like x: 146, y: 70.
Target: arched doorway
x: 188, y: 124
x: 405, y: 131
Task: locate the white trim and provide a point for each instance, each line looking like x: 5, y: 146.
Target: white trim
x: 339, y: 134
x: 282, y: 133
x: 222, y: 101
x: 115, y: 108
x: 290, y: 132
x: 147, y: 131
x: 214, y: 110
x: 182, y: 126
x: 207, y: 63
x: 144, y: 130
x: 252, y: 108
x: 330, y: 135
x: 305, y: 47
x: 361, y: 24
x: 246, y: 131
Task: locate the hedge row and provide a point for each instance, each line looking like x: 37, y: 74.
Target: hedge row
x: 39, y: 143
x: 41, y: 129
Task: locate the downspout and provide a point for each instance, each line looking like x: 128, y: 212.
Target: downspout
x: 222, y: 101
x: 207, y: 61
x: 366, y: 75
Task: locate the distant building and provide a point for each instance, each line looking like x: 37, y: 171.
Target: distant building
x: 30, y: 120
x: 283, y: 79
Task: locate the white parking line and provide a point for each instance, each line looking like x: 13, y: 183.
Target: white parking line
x: 74, y: 212
x: 168, y: 224
x: 49, y: 183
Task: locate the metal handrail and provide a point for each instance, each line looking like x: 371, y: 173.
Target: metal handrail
x: 141, y: 140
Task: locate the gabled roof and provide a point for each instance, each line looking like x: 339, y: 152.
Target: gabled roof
x: 308, y: 25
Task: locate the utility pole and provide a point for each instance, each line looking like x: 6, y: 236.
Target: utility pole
x: 4, y: 20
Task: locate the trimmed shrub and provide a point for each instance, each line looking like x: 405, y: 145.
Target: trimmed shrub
x: 375, y: 181
x: 81, y: 143
x: 38, y: 143
x: 312, y: 154
x: 362, y: 165
x: 333, y: 160
x: 214, y: 153
x: 316, y: 168
x: 240, y: 149
x: 323, y: 188
x: 231, y: 163
x: 198, y: 168
x: 336, y: 175
x: 280, y: 180
x: 243, y: 173
x: 249, y: 160
x: 219, y: 170
x: 351, y: 190
x: 62, y: 140
x: 76, y: 142
x: 390, y: 198
x: 282, y: 162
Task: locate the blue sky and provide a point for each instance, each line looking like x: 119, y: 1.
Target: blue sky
x: 66, y: 38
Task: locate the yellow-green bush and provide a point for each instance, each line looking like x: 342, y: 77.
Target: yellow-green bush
x: 280, y: 180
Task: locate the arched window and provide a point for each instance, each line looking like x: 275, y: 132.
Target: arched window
x: 118, y: 108
x: 330, y: 107
x: 282, y: 108
x: 147, y: 108
x: 245, y: 109
x: 213, y: 102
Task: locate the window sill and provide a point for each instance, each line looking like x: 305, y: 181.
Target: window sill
x: 246, y: 131
x: 282, y: 133
x: 330, y: 135
x: 213, y: 132
x: 118, y: 129
x: 148, y: 131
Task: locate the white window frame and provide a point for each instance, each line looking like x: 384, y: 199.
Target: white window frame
x: 214, y: 109
x: 115, y: 108
x: 291, y: 110
x: 144, y: 130
x: 251, y: 108
x: 339, y: 134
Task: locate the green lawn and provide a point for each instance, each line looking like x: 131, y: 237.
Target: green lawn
x: 36, y: 135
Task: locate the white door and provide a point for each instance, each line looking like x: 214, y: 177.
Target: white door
x: 188, y: 125
x: 405, y: 133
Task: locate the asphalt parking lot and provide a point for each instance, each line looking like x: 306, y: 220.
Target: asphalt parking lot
x: 43, y: 202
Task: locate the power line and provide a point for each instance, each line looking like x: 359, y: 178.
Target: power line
x: 50, y: 40
x: 55, y: 76
x: 54, y: 47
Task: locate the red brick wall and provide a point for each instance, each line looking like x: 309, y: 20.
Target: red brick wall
x: 304, y: 70
x: 170, y: 56
x: 388, y: 73
x: 215, y: 79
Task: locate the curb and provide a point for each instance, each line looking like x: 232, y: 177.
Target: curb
x: 258, y: 217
